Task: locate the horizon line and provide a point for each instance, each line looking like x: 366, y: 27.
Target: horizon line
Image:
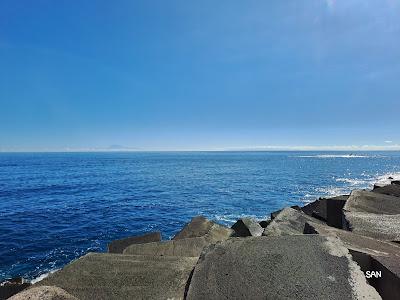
x: 370, y: 148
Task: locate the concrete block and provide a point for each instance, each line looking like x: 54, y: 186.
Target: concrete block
x: 104, y: 276
x: 284, y: 267
x: 118, y: 246
x: 247, y: 227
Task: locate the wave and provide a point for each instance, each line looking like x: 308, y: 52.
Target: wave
x: 43, y: 276
x: 354, y: 182
x: 357, y: 183
x: 337, y: 156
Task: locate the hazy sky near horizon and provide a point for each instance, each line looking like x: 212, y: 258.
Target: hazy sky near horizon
x: 168, y: 75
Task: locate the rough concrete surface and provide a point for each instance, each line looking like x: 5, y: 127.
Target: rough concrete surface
x: 391, y: 189
x: 190, y: 247
x: 373, y: 214
x: 284, y: 267
x: 118, y: 246
x: 384, y: 227
x: 372, y: 202
x: 372, y: 255
x: 117, y: 276
x: 43, y: 293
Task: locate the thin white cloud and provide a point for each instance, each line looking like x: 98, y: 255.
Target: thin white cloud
x: 388, y: 142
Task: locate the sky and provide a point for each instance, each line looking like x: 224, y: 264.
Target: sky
x: 199, y: 75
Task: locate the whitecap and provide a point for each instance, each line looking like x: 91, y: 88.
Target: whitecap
x: 337, y: 156
x: 43, y: 276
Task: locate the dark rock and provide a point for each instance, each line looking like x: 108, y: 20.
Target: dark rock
x: 334, y: 208
x: 391, y: 189
x: 118, y: 246
x: 390, y: 177
x: 372, y: 214
x: 371, y: 255
x: 319, y: 209
x: 285, y: 267
x: 378, y: 185
x: 118, y: 276
x: 43, y: 293
x: 395, y: 182
x: 265, y: 223
x: 316, y: 209
x: 288, y: 222
x: 200, y: 226
x: 247, y: 227
x: 12, y: 286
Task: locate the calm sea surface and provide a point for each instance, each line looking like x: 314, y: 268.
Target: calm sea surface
x: 55, y: 207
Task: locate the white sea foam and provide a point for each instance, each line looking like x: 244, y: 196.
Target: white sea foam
x: 384, y: 179
x: 354, y: 182
x: 43, y: 276
x: 337, y: 156
x: 366, y: 182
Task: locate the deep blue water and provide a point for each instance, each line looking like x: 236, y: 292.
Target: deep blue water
x: 55, y: 207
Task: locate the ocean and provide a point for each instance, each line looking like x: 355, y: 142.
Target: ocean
x: 55, y: 207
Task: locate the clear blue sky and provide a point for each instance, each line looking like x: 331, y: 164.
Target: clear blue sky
x: 164, y: 75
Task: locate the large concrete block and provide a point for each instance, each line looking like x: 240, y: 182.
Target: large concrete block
x: 116, y: 276
x: 288, y: 222
x: 118, y: 246
x: 316, y: 209
x: 43, y: 293
x: 391, y: 189
x: 372, y: 202
x: 190, y: 247
x: 200, y: 226
x: 247, y: 227
x: 275, y: 213
x: 373, y: 214
x: 285, y: 267
x: 384, y: 227
x: 327, y: 209
x: 334, y: 208
x: 371, y: 255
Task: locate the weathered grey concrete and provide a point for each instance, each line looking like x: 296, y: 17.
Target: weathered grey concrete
x: 247, y: 227
x: 285, y: 267
x: 275, y: 213
x: 43, y: 293
x: 190, y: 247
x: 118, y: 246
x: 200, y: 226
x: 384, y: 227
x: 372, y: 202
x: 372, y: 214
x: 117, y: 276
x: 371, y: 255
x: 391, y: 189
x: 288, y: 222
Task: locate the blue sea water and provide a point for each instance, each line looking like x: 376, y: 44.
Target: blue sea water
x: 55, y: 207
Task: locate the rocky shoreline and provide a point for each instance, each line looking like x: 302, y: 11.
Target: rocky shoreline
x: 344, y: 247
